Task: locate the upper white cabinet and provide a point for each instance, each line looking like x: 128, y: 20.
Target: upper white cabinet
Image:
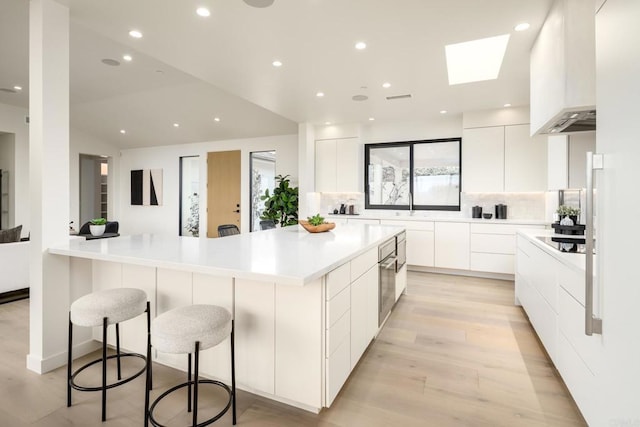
x: 525, y: 160
x: 563, y: 63
x: 503, y: 158
x: 483, y: 159
x: 338, y: 165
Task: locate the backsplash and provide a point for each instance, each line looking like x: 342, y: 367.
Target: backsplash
x: 519, y: 205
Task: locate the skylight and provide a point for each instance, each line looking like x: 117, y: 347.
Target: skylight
x: 476, y: 60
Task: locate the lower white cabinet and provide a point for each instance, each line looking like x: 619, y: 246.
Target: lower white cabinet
x: 552, y: 294
x: 452, y: 245
x: 401, y: 281
x: 420, y: 241
x: 351, y: 318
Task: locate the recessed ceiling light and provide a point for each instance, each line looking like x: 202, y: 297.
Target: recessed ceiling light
x: 259, y: 3
x: 361, y: 45
x: 18, y: 88
x: 127, y: 58
x: 203, y: 11
x: 110, y: 62
x: 476, y: 60
x: 327, y: 123
x: 122, y: 131
x: 217, y: 119
x: 507, y: 105
x: 320, y: 94
x: 443, y: 111
x: 371, y: 119
x: 176, y: 125
x: 522, y: 26
x: 386, y: 85
x: 276, y: 63
x: 135, y: 34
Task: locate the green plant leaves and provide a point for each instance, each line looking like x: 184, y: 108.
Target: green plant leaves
x: 282, y: 205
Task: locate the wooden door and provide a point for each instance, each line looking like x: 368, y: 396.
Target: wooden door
x: 223, y: 190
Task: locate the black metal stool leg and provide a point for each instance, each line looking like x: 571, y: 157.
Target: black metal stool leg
x: 189, y: 382
x: 104, y: 369
x: 118, y: 350
x: 69, y: 359
x: 195, y: 386
x: 148, y: 384
x: 233, y: 371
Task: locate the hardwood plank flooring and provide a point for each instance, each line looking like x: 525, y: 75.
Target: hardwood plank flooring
x: 454, y: 352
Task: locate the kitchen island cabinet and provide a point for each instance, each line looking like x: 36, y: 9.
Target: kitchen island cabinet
x: 305, y: 304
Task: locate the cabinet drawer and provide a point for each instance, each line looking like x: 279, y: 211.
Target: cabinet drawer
x: 337, y: 333
x: 501, y: 228
x: 492, y: 263
x: 571, y: 325
x: 420, y: 248
x: 364, y: 262
x: 573, y: 282
x: 337, y: 280
x: 579, y: 379
x: 542, y: 317
x: 493, y: 243
x: 337, y: 306
x: 338, y: 367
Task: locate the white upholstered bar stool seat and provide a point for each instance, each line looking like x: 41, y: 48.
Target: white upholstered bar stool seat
x: 189, y: 330
x: 104, y: 308
x: 117, y: 305
x: 176, y: 331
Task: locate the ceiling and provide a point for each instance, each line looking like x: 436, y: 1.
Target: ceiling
x: 221, y: 66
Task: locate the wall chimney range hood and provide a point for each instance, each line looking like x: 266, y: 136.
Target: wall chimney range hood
x: 563, y: 88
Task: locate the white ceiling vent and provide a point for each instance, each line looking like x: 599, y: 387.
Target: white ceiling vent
x: 392, y: 98
x: 360, y: 97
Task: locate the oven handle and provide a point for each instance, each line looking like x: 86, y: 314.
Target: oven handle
x: 388, y: 263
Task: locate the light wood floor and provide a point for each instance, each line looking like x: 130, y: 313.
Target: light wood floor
x: 455, y: 352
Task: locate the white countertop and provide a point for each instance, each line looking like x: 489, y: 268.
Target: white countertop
x: 574, y: 260
x: 287, y: 255
x: 423, y: 217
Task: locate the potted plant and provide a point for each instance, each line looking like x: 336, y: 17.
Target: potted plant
x: 282, y: 206
x: 97, y: 226
x: 565, y: 211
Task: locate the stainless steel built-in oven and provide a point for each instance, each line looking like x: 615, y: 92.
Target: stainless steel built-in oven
x: 387, y: 267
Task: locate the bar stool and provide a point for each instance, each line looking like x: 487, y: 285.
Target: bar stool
x: 188, y: 330
x: 104, y: 308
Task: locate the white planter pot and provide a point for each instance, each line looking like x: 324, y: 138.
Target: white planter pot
x: 97, y: 230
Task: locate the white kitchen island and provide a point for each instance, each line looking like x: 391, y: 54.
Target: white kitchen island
x: 305, y: 305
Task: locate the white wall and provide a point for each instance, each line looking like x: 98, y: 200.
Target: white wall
x: 12, y: 120
x: 164, y: 219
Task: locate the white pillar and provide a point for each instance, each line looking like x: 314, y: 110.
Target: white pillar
x: 49, y: 182
x: 306, y: 166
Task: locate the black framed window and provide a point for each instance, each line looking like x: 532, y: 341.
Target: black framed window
x: 424, y: 175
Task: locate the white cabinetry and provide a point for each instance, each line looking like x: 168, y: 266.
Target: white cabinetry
x: 351, y: 318
x: 420, y: 241
x: 525, y: 160
x: 338, y: 164
x: 493, y: 247
x: 552, y: 294
x: 452, y: 245
x: 503, y: 158
x: 483, y: 159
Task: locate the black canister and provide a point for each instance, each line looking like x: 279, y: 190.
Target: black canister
x: 476, y: 212
x: 501, y: 211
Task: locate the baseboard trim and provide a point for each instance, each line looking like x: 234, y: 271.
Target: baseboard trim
x: 42, y: 366
x: 467, y: 273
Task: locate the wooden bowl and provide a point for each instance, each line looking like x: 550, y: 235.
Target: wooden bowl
x: 317, y: 228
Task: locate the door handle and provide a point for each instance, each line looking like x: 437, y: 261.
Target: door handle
x: 593, y: 325
x: 237, y: 211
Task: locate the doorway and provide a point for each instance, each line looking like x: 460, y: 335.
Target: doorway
x: 263, y: 174
x: 223, y: 190
x: 94, y: 191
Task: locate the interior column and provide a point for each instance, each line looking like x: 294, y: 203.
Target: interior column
x: 49, y: 182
